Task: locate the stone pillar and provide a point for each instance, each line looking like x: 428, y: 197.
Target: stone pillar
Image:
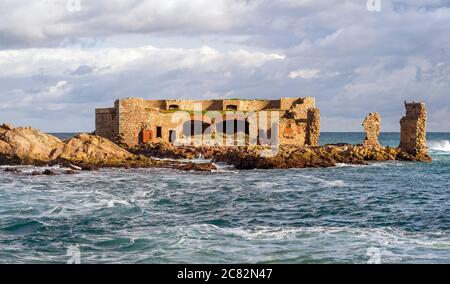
x: 372, y: 125
x: 413, y: 129
x: 313, y: 127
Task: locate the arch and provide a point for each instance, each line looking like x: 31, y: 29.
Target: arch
x: 234, y: 126
x: 174, y: 107
x: 231, y: 107
x: 195, y: 127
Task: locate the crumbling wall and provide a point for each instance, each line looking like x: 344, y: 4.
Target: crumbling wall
x: 372, y: 125
x: 413, y: 129
x: 106, y: 123
x: 135, y: 120
x: 313, y: 127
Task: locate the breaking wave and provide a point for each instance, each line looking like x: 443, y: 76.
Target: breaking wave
x: 440, y: 145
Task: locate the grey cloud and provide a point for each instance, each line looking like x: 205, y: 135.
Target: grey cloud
x: 364, y: 61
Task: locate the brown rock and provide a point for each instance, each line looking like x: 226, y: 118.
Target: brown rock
x: 29, y: 145
x: 202, y: 167
x: 7, y: 126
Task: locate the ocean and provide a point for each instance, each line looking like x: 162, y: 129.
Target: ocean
x: 386, y: 212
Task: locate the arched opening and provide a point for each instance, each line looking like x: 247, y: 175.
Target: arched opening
x: 231, y: 107
x: 194, y: 128
x: 234, y: 131
x: 174, y: 107
x: 234, y: 126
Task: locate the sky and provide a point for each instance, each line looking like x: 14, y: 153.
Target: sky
x: 60, y: 59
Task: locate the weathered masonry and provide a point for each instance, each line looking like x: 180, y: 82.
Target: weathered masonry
x: 413, y: 129
x: 287, y: 121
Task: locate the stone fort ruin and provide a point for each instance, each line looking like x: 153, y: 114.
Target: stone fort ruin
x: 230, y: 122
x: 289, y: 121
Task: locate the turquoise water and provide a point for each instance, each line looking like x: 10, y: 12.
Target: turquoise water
x: 390, y: 211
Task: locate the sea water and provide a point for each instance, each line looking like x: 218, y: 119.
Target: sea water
x: 386, y: 212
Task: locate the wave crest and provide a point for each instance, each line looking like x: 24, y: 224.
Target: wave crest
x: 439, y: 145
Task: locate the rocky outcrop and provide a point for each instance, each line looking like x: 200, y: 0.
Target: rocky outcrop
x: 85, y: 147
x: 307, y: 157
x: 28, y: 146
x: 286, y: 156
x: 372, y: 125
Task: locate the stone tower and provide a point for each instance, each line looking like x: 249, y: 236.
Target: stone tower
x: 313, y: 127
x: 372, y: 125
x: 413, y: 129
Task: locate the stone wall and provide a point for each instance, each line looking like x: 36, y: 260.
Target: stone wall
x: 413, y: 129
x: 106, y: 123
x: 313, y: 127
x: 134, y: 120
x: 372, y: 125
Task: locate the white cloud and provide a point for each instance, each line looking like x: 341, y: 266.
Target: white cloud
x: 48, y: 98
x: 304, y: 74
x: 57, y: 61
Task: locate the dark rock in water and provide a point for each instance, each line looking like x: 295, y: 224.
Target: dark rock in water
x: 286, y: 156
x: 45, y: 173
x: 70, y: 172
x: 201, y: 167
x: 86, y: 167
x: 12, y: 170
x: 49, y: 173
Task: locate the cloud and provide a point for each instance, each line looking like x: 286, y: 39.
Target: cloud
x: 48, y: 98
x: 352, y: 60
x: 304, y: 74
x: 48, y: 21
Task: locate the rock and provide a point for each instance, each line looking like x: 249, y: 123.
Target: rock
x: 7, y: 126
x: 70, y: 172
x: 201, y: 167
x: 89, y: 152
x: 29, y: 145
x: 85, y: 147
x: 49, y: 173
x: 12, y: 170
x: 73, y: 167
x: 35, y: 173
x: 85, y: 167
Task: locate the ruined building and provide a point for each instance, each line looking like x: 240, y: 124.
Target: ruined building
x: 132, y: 121
x: 413, y: 129
x: 372, y: 125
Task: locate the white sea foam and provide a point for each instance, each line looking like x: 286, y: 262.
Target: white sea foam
x: 224, y: 168
x: 324, y: 182
x: 382, y: 236
x: 112, y: 203
x: 439, y: 145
